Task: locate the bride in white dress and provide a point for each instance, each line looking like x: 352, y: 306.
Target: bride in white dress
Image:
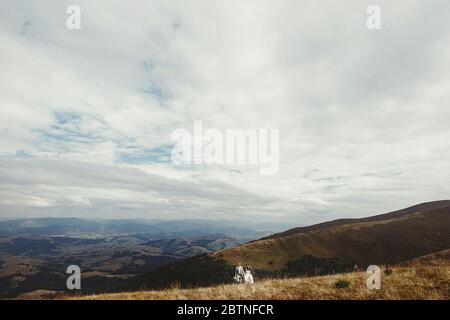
x: 248, y: 277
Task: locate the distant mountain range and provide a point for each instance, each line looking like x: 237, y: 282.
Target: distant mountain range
x: 34, y: 253
x: 118, y: 255
x: 335, y: 246
x: 166, y: 228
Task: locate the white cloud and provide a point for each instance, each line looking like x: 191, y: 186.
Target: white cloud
x: 87, y: 115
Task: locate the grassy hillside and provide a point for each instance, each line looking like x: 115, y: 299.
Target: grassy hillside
x: 320, y: 249
x: 416, y: 281
x: 395, y: 214
x: 389, y: 238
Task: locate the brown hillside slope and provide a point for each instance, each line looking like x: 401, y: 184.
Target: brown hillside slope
x: 385, y: 239
x: 389, y: 238
x: 421, y: 281
x: 430, y: 259
x: 395, y: 214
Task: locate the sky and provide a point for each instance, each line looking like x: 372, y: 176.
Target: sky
x: 87, y: 115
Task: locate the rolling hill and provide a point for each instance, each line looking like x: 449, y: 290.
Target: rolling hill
x: 423, y: 278
x: 35, y: 252
x: 330, y: 247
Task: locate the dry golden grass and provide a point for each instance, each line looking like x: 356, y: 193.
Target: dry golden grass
x: 418, y: 281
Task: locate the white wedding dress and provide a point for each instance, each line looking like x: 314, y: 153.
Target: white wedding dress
x: 248, y: 277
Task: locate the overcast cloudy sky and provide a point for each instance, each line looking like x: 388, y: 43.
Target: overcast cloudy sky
x: 87, y: 115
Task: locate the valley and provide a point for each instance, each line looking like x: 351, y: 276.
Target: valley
x: 196, y: 259
x: 34, y: 254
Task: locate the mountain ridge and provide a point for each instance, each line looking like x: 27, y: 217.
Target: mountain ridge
x: 331, y: 223
x: 330, y: 247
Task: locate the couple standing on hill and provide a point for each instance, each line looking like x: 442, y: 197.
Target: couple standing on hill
x: 243, y: 275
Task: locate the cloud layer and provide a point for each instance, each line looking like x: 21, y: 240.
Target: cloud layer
x: 87, y: 114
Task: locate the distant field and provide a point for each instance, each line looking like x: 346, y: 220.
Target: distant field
x: 418, y: 280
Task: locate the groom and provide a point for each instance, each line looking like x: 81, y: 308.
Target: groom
x: 239, y: 272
